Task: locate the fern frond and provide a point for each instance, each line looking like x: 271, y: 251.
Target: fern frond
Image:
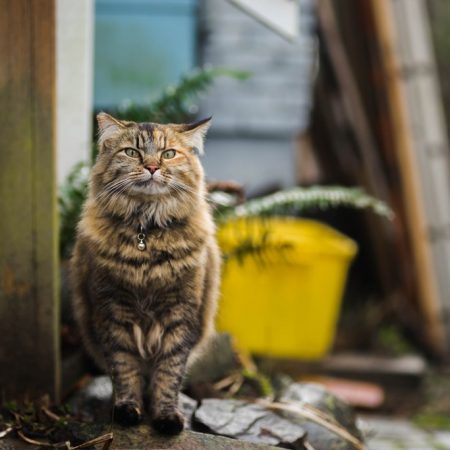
x: 177, y: 103
x: 72, y: 195
x: 298, y: 199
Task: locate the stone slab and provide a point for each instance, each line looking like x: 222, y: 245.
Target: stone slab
x: 144, y: 438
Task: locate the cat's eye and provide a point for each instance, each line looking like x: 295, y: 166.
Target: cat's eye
x: 132, y: 152
x: 168, y: 154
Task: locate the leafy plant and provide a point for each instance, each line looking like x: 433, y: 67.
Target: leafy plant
x: 72, y: 195
x: 178, y: 103
x: 296, y: 200
x: 42, y: 425
x: 288, y: 202
x: 392, y: 342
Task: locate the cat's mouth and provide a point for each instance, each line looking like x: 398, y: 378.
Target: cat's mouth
x: 149, y: 185
x: 147, y: 182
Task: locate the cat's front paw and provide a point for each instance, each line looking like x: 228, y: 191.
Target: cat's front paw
x: 169, y: 424
x: 128, y: 414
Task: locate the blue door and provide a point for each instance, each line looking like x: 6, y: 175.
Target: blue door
x: 141, y: 46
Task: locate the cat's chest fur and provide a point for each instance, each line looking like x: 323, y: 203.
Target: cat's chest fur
x: 169, y: 254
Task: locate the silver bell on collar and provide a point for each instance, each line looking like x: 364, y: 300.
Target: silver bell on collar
x: 141, y: 240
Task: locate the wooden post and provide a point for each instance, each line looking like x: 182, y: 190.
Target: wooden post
x: 353, y: 110
x: 29, y: 311
x: 412, y: 189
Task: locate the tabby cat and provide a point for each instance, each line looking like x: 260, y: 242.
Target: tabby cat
x: 145, y: 268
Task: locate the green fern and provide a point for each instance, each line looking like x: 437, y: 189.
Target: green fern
x: 286, y: 202
x: 178, y: 103
x: 295, y: 200
x: 72, y: 195
x: 290, y: 202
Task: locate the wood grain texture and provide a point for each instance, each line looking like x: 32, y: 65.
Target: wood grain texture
x: 412, y: 188
x: 29, y: 313
x: 426, y: 119
x: 366, y: 166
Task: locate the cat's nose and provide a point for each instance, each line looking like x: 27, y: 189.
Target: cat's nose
x: 152, y: 169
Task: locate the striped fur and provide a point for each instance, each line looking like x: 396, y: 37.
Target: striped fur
x: 144, y: 314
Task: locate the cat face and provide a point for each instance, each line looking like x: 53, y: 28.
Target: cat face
x: 148, y: 160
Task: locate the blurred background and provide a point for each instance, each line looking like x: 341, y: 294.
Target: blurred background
x: 327, y: 164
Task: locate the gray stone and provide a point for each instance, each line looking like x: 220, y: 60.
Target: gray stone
x: 188, y: 406
x: 317, y: 396
x: 249, y: 422
x: 236, y: 418
x: 217, y: 362
x: 443, y: 438
x: 319, y: 436
x: 395, y: 433
x: 93, y: 402
x: 99, y: 389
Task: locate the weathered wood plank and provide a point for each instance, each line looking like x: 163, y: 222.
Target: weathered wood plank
x: 29, y: 354
x: 367, y: 162
x: 426, y: 120
x: 412, y: 189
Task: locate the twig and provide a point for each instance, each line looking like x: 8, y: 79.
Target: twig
x: 308, y: 446
x: 247, y: 361
x: 108, y: 443
x: 106, y: 439
x: 6, y: 432
x: 234, y: 388
x: 227, y: 381
x: 321, y: 419
x: 317, y: 412
x: 50, y: 414
x: 17, y: 417
x: 42, y: 443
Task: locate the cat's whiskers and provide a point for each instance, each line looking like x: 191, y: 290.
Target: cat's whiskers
x: 114, y: 190
x: 115, y: 185
x: 172, y: 182
x: 110, y: 190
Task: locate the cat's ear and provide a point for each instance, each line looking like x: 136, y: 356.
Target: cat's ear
x: 108, y: 127
x: 195, y: 133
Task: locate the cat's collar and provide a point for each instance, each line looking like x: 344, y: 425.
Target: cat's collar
x: 147, y: 226
x: 153, y: 226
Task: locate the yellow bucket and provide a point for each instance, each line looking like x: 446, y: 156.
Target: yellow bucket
x: 282, y: 285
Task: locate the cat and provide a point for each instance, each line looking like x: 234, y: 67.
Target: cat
x: 146, y: 265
